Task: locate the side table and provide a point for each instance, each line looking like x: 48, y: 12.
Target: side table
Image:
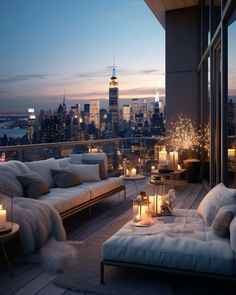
x: 134, y: 179
x: 5, y: 237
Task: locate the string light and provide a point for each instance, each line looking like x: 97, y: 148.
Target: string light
x: 183, y: 135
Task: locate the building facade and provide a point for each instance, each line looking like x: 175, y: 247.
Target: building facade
x: 114, y: 103
x: 200, y: 68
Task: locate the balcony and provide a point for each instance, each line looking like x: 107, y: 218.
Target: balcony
x: 107, y: 216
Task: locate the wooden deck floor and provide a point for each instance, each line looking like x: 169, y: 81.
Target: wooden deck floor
x: 30, y: 278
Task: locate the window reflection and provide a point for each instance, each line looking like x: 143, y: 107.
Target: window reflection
x: 231, y: 116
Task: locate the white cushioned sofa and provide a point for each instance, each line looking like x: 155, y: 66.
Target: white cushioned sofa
x: 66, y: 198
x: 201, y: 241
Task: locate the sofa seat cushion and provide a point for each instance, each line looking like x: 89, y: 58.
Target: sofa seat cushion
x: 182, y: 241
x: 64, y: 199
x: 102, y: 187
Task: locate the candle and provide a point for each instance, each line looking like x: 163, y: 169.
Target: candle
x: 2, y: 217
x: 93, y: 150
x: 133, y: 172
x: 155, y: 204
x: 231, y: 154
x: 175, y: 159
x: 162, y: 156
x: 171, y: 160
x: 153, y: 167
x: 127, y: 172
x: 179, y: 167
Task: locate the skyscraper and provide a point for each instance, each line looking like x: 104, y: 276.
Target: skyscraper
x: 113, y: 102
x: 94, y: 112
x: 126, y: 112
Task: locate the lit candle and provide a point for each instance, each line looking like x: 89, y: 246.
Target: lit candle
x: 159, y: 203
x: 93, y: 150
x: 153, y: 167
x: 175, y: 159
x: 179, y: 167
x: 127, y: 172
x: 133, y: 172
x: 162, y: 156
x: 2, y: 217
x: 231, y: 153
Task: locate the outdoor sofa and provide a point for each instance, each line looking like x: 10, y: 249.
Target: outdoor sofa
x: 45, y: 192
x: 192, y: 242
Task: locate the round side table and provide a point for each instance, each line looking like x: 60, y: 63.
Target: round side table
x: 5, y: 237
x: 134, y: 179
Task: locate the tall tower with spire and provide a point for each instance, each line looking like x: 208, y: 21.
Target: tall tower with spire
x: 114, y: 102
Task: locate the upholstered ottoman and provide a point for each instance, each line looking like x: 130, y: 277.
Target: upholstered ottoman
x: 179, y: 243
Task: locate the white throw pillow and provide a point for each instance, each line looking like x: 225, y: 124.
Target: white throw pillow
x: 232, y: 231
x: 63, y: 162
x: 216, y: 198
x: 86, y: 173
x: 43, y: 168
x: 96, y: 156
x: 76, y: 158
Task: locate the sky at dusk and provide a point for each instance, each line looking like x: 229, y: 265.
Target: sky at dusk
x: 51, y: 45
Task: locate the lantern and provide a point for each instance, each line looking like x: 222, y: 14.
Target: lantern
x: 155, y: 192
x: 140, y: 207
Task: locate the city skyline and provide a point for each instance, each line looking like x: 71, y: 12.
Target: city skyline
x: 70, y: 45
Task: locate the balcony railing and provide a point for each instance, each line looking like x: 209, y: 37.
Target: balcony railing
x: 138, y: 152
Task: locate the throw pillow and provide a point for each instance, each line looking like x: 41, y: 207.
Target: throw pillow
x: 33, y: 185
x: 43, y: 168
x: 232, y: 230
x: 86, y: 173
x: 65, y: 178
x: 216, y: 198
x: 63, y: 162
x: 97, y: 156
x: 221, y: 222
x: 102, y: 166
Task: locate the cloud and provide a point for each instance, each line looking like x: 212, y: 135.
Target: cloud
x: 4, y: 91
x: 24, y: 77
x: 144, y: 91
x: 120, y: 71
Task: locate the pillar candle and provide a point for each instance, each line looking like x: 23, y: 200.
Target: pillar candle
x: 171, y: 161
x: 133, y: 172
x: 162, y: 156
x: 2, y: 217
x: 175, y: 159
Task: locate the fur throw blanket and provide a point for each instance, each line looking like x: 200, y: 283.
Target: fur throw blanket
x: 38, y: 222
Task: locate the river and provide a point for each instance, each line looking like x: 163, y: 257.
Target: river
x: 12, y: 132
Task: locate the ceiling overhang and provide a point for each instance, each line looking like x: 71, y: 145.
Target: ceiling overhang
x: 159, y: 7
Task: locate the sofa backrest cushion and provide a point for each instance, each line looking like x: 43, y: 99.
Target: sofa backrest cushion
x: 43, y: 168
x: 221, y: 222
x: 9, y: 184
x: 33, y: 185
x: 63, y: 162
x: 76, y: 158
x: 64, y: 178
x: 86, y: 173
x: 216, y: 198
